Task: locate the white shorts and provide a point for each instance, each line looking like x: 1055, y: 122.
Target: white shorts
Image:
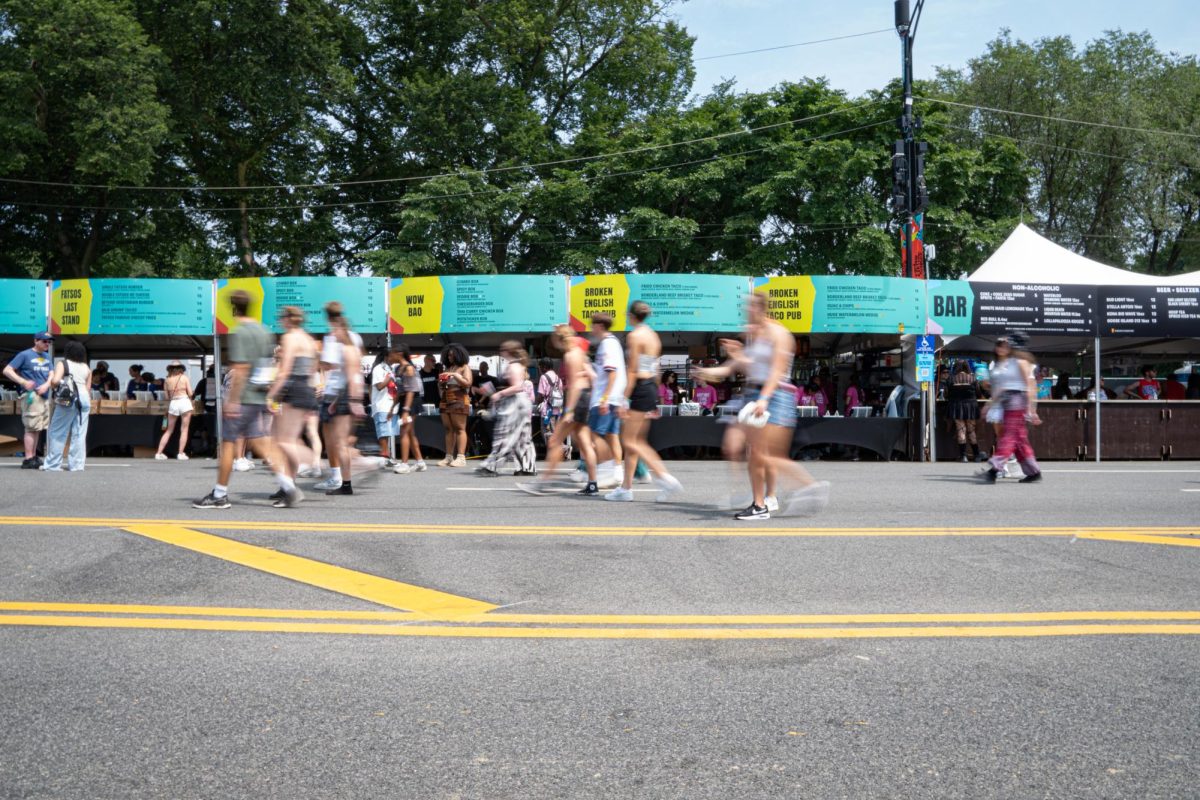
x: 180, y: 406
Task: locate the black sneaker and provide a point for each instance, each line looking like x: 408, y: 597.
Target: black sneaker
x: 345, y: 488
x: 30, y: 463
x: 1034, y: 478
x: 487, y: 472
x: 210, y: 500
x: 288, y: 499
x: 990, y: 475
x: 525, y: 473
x: 278, y: 495
x: 753, y: 512
x: 591, y: 490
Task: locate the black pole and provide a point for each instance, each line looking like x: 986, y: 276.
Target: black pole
x: 906, y: 27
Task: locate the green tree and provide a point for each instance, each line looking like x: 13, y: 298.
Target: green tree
x: 78, y: 105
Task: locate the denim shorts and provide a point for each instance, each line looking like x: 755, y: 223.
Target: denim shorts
x: 781, y: 409
x: 604, y: 424
x: 386, y: 425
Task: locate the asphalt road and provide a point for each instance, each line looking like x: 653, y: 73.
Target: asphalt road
x: 593, y: 685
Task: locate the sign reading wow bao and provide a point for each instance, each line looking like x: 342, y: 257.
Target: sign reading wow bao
x: 677, y: 302
x: 131, y: 306
x: 22, y: 306
x: 845, y: 304
x: 477, y: 304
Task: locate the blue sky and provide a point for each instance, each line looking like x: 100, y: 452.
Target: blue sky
x: 951, y: 32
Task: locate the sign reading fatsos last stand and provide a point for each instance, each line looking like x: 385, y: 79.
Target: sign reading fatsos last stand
x: 129, y: 306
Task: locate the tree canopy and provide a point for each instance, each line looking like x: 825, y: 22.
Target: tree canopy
x: 397, y: 137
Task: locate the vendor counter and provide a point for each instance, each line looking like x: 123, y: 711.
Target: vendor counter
x: 1129, y: 430
x: 115, y: 430
x: 880, y: 435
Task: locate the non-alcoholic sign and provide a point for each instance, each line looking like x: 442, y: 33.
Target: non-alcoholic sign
x: 477, y: 303
x: 677, y: 302
x: 1038, y: 308
x: 1160, y: 311
x: 131, y: 306
x: 845, y: 304
x: 22, y: 306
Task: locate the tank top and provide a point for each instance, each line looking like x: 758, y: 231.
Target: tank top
x: 412, y: 383
x: 1007, y: 377
x: 302, y: 366
x: 761, y: 353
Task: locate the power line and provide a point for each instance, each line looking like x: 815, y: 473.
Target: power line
x: 459, y: 173
x: 1108, y: 125
x: 1111, y: 156
x: 797, y: 44
x: 422, y: 198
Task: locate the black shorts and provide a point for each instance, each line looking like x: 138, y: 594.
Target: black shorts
x: 298, y: 393
x: 645, y: 396
x: 334, y: 407
x: 582, y: 406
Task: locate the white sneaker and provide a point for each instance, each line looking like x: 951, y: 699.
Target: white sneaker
x: 182, y: 457
x: 309, y: 471
x: 810, y: 499
x: 609, y: 480
x: 459, y: 461
x: 243, y: 465
x: 620, y: 495
x: 160, y: 456
x: 445, y: 462
x: 419, y: 467
x: 401, y: 469
x: 327, y: 484
x: 669, y: 486
x: 772, y: 502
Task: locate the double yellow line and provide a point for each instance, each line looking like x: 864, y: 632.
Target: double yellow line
x: 602, y: 626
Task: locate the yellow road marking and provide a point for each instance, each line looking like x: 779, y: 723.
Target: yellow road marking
x: 214, y: 523
x: 616, y: 619
x: 452, y: 631
x: 1140, y: 538
x: 372, y: 588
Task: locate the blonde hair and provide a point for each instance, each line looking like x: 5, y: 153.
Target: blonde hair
x: 514, y: 348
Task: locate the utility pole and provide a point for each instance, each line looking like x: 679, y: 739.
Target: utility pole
x: 909, y: 196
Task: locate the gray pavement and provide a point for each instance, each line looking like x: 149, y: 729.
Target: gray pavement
x: 112, y: 712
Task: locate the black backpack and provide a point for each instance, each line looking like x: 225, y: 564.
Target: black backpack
x: 67, y: 393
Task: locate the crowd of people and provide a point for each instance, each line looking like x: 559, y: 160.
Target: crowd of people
x: 293, y: 401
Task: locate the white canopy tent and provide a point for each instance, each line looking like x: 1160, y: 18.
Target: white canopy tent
x: 1027, y: 257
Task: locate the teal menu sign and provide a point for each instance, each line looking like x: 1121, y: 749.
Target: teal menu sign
x: 22, y: 306
x: 364, y: 301
x: 868, y: 304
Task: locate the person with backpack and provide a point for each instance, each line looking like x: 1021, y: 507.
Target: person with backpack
x: 550, y: 396
x: 71, y: 402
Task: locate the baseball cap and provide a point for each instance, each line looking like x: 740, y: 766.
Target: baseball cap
x: 44, y: 336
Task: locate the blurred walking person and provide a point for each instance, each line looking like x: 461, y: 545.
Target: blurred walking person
x: 342, y: 404
x: 769, y: 418
x: 576, y: 374
x: 293, y: 390
x: 251, y: 370
x: 643, y: 348
x: 512, y: 437
x: 1014, y: 392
